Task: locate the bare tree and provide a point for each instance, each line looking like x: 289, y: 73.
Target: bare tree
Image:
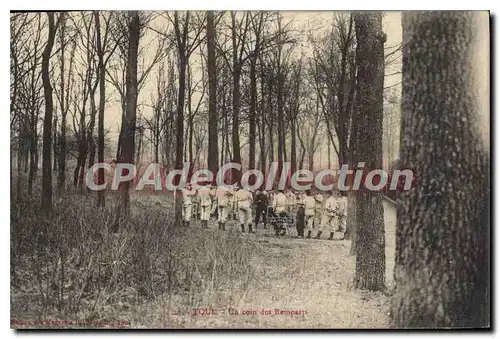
x: 127, y: 152
x: 187, y: 36
x: 213, y: 143
x: 89, y: 81
x: 63, y: 92
x: 47, y: 122
x: 192, y: 113
x: 29, y: 96
x: 23, y: 65
x: 147, y: 61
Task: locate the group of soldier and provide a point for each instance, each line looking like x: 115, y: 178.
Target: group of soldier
x: 307, y: 210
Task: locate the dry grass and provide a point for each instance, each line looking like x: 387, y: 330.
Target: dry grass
x: 68, y: 266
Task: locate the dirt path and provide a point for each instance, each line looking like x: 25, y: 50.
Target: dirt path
x: 310, y: 277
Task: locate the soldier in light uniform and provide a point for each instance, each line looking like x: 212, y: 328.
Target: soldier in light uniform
x: 309, y: 211
x: 195, y: 201
x: 187, y: 195
x: 205, y: 205
x: 329, y: 218
x: 291, y: 202
x: 223, y: 196
x: 232, y: 209
x: 213, y: 208
x: 244, y: 205
x: 342, y: 212
x: 318, y: 209
x: 280, y: 203
x: 280, y: 206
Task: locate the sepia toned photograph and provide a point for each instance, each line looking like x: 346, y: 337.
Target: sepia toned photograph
x: 250, y: 170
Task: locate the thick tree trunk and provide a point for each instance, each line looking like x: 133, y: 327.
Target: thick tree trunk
x: 213, y: 138
x: 370, y: 235
x: 442, y: 237
x: 129, y: 123
x: 47, y: 121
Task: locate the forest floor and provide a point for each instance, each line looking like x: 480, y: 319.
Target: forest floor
x: 312, y: 278
x: 284, y: 282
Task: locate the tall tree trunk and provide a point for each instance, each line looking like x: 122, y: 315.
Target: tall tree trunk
x: 236, y: 120
x: 47, y: 122
x: 262, y: 120
x: 54, y: 145
x: 140, y: 150
x: 129, y: 123
x: 293, y: 146
x: 271, y: 144
x: 156, y: 151
x: 190, y: 138
x: 370, y: 237
x: 20, y: 151
x: 252, y: 113
x: 179, y: 141
x: 102, y: 102
x: 280, y: 126
x: 213, y: 138
x: 122, y: 131
x: 328, y: 143
x: 262, y: 146
x: 33, y: 169
x: 311, y: 158
x: 442, y: 235
x: 90, y: 132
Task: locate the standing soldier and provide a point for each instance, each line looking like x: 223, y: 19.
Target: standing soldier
x: 261, y: 202
x: 300, y: 217
x: 329, y: 217
x: 195, y: 203
x: 213, y: 198
x: 309, y: 209
x: 280, y: 205
x: 318, y: 209
x: 244, y: 204
x: 291, y: 200
x: 342, y: 212
x: 187, y: 195
x: 205, y: 205
x: 223, y: 196
x: 232, y: 204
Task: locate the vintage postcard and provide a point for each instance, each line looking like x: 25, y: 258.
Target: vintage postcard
x: 249, y: 170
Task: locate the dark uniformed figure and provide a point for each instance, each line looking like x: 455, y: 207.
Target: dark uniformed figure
x: 261, y: 202
x: 300, y: 219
